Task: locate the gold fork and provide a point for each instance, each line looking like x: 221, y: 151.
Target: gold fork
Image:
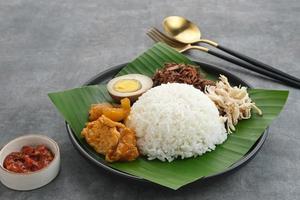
x: 158, y: 36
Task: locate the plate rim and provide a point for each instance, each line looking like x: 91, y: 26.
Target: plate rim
x: 240, y: 163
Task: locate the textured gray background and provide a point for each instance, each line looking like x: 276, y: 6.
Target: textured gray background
x: 54, y: 45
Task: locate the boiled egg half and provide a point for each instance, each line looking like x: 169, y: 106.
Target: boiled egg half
x: 131, y: 86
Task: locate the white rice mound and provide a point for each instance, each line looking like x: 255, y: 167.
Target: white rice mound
x: 176, y: 121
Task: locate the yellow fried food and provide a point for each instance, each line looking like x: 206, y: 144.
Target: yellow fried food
x: 114, y: 113
x: 97, y: 110
x: 118, y: 114
x: 125, y: 104
x: 126, y: 149
x: 112, y: 139
x: 102, y: 134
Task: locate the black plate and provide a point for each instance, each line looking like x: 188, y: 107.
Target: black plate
x: 105, y: 76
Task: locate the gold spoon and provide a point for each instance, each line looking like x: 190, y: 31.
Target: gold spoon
x: 158, y: 36
x: 186, y: 32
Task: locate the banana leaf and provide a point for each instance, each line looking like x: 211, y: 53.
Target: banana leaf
x: 74, y: 105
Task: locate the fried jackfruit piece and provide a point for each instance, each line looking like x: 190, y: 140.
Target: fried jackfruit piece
x: 102, y: 134
x: 126, y: 149
x: 114, y: 113
x: 97, y: 110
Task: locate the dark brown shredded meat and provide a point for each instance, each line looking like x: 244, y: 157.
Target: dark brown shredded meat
x: 180, y: 73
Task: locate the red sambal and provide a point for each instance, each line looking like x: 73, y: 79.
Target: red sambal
x: 30, y: 159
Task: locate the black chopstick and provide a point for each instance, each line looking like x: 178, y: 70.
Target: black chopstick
x: 259, y: 70
x: 256, y: 62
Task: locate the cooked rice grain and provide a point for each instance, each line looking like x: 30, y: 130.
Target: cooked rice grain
x: 176, y: 120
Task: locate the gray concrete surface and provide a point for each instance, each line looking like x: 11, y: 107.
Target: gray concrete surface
x: 54, y: 45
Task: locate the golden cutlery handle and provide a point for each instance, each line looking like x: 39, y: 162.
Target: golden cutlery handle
x: 208, y: 42
x: 195, y: 47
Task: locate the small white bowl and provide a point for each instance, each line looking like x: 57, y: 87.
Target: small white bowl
x: 30, y: 180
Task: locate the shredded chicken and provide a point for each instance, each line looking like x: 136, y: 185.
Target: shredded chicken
x: 233, y: 103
